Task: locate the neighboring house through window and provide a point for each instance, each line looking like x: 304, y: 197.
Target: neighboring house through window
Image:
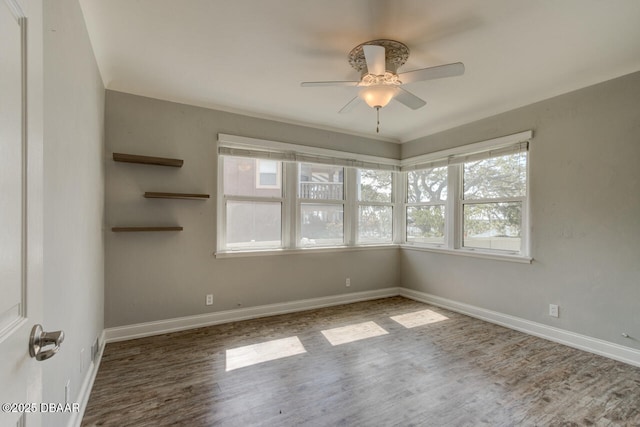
x: 268, y: 174
x: 321, y: 204
x: 276, y: 196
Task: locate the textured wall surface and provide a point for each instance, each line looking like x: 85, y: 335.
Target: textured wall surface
x: 73, y: 199
x: 154, y: 276
x: 585, y: 217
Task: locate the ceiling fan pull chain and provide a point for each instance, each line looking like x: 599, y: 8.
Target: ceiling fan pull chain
x: 378, y: 119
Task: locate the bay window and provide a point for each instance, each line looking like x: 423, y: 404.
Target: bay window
x: 468, y: 200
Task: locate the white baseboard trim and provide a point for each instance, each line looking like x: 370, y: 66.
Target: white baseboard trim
x: 87, y: 385
x: 571, y: 339
x: 579, y: 341
x: 140, y: 330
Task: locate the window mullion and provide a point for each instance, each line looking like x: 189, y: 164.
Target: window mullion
x: 222, y: 208
x: 436, y: 203
x: 524, y: 229
x: 289, y: 206
x: 525, y: 244
x: 322, y: 201
x: 350, y: 215
x: 253, y: 198
x: 494, y: 200
x: 453, y: 219
x: 359, y: 203
x: 399, y: 200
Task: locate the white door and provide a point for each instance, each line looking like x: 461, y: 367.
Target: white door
x: 20, y: 223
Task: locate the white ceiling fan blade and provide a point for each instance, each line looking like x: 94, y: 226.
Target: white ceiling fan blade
x: 438, y: 72
x: 375, y: 57
x: 334, y: 83
x: 355, y: 101
x: 409, y: 99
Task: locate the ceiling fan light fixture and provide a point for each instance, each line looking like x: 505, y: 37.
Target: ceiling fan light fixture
x: 388, y: 78
x: 378, y: 96
x: 378, y: 62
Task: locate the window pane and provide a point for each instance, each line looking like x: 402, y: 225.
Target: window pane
x: 268, y: 173
x: 425, y: 224
x: 253, y: 225
x: 321, y: 225
x: 268, y: 179
x: 375, y: 224
x: 240, y: 177
x: 504, y: 176
x: 374, y: 185
x: 429, y: 185
x: 321, y: 182
x: 493, y: 226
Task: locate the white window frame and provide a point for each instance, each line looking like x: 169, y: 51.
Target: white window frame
x: 443, y: 203
x: 284, y: 201
x: 346, y: 226
x: 455, y: 203
x: 359, y: 203
x: 291, y: 155
x: 524, y: 200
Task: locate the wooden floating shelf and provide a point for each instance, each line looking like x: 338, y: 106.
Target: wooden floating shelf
x: 147, y: 160
x: 155, y: 195
x: 132, y: 229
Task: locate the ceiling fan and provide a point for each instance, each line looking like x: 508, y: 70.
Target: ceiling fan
x: 378, y: 62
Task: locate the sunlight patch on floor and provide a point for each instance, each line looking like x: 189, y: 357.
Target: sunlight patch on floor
x: 352, y: 333
x: 263, y: 352
x: 419, y: 318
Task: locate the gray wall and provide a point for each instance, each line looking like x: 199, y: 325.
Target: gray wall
x: 73, y: 199
x: 154, y: 276
x: 585, y: 196
x: 585, y: 218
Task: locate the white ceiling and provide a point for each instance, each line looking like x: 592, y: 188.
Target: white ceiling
x: 249, y: 56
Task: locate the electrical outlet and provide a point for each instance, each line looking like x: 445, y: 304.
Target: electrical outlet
x: 209, y: 299
x: 348, y: 282
x: 554, y: 310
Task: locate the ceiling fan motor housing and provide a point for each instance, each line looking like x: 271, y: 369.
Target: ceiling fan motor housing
x: 396, y: 54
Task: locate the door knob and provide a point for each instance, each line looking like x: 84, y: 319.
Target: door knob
x: 40, y: 339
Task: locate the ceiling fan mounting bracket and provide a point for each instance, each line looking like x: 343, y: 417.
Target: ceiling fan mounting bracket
x: 396, y: 54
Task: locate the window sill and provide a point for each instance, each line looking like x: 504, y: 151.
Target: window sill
x: 471, y: 253
x: 328, y: 249
x: 299, y: 251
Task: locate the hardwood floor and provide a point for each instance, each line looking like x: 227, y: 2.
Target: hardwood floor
x: 444, y: 369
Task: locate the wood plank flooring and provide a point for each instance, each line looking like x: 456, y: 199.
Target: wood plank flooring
x: 441, y: 369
